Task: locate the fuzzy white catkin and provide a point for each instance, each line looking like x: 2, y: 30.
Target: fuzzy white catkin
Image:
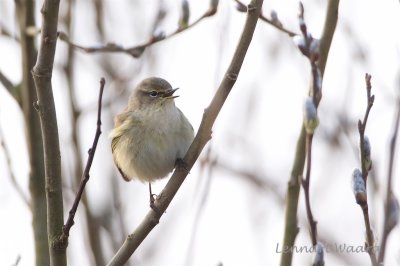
x: 358, y: 182
x: 310, y: 115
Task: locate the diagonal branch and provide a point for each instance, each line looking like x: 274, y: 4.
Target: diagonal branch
x: 86, y: 174
x: 10, y: 87
x: 17, y: 187
x: 273, y: 22
x: 202, y: 137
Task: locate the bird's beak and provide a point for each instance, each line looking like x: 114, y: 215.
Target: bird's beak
x: 169, y: 94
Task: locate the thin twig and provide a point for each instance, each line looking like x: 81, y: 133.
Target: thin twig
x: 388, y: 225
x: 14, y: 90
x: 363, y: 124
x: 309, y: 48
x: 370, y: 245
x: 306, y: 186
x: 253, y: 178
x: 7, y: 83
x: 6, y: 32
x: 277, y: 24
x: 86, y: 172
x: 17, y: 260
x: 11, y: 171
x: 94, y: 245
x: 202, y: 137
x: 137, y: 50
x: 207, y: 177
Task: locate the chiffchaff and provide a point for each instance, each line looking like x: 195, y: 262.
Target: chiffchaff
x: 151, y: 134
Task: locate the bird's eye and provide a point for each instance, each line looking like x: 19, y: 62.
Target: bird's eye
x: 153, y: 94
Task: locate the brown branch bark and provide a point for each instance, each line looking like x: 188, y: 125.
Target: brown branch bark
x: 370, y: 244
x: 137, y: 50
x: 202, y: 137
x: 14, y: 90
x: 92, y: 226
x: 86, y: 173
x: 275, y: 24
x: 293, y: 189
x: 306, y: 186
x: 388, y: 225
x: 14, y: 181
x: 26, y: 17
x: 42, y: 73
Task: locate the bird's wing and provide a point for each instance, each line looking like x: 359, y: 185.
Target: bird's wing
x: 116, y: 136
x: 114, y: 143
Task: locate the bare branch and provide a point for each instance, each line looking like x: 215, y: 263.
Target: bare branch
x: 293, y: 189
x: 365, y: 151
x: 331, y: 19
x: 202, y: 137
x: 14, y: 90
x: 137, y: 51
x: 26, y: 93
x: 391, y: 203
x: 42, y: 73
x: 364, y: 142
x: 86, y: 173
x: 310, y: 48
x: 11, y: 172
x: 10, y: 87
x: 273, y: 21
x: 253, y: 178
x: 6, y: 32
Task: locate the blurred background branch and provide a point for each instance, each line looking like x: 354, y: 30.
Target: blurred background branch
x: 137, y: 50
x: 25, y: 13
x: 14, y: 181
x: 273, y: 21
x: 391, y: 205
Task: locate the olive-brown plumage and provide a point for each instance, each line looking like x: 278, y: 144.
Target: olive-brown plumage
x: 151, y: 133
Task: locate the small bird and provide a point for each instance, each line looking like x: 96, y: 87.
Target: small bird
x: 151, y: 135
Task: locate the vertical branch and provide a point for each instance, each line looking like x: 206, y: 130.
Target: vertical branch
x: 365, y: 157
x: 42, y: 73
x: 306, y: 186
x: 293, y: 189
x: 364, y: 142
x: 331, y: 19
x: 203, y: 135
x: 391, y: 218
x: 310, y: 48
x: 26, y: 17
x: 89, y: 222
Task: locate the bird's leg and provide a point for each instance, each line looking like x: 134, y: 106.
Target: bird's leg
x: 152, y: 198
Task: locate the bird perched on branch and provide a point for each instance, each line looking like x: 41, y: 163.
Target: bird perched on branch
x: 151, y: 135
